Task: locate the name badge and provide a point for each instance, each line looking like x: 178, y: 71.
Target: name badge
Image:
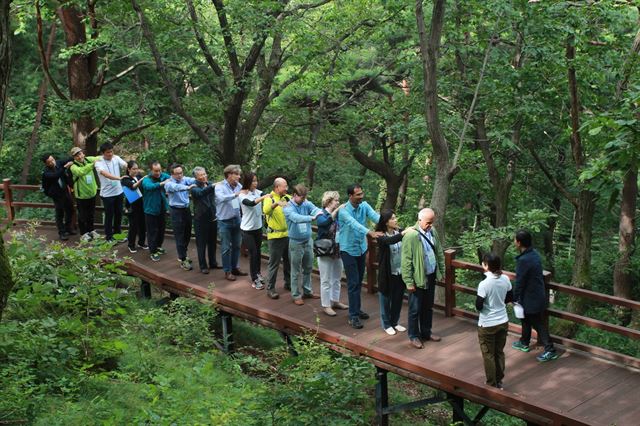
x: 114, y: 183
x: 302, y: 227
x: 235, y: 203
x: 88, y: 179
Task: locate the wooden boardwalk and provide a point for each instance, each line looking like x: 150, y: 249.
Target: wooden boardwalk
x: 576, y: 389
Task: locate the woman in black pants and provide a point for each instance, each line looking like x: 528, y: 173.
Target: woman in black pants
x: 135, y: 210
x: 251, y: 198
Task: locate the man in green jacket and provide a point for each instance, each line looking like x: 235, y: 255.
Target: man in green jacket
x: 422, y: 265
x: 84, y: 190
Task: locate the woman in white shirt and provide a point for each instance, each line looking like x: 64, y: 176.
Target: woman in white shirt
x: 494, y: 292
x: 251, y: 225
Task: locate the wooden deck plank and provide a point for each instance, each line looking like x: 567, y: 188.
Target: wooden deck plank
x: 576, y: 389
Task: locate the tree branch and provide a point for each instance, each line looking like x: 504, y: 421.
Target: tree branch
x: 101, y: 126
x: 43, y: 59
x: 552, y: 178
x: 306, y: 7
x: 213, y: 64
x: 128, y: 132
x: 228, y: 39
x: 125, y: 72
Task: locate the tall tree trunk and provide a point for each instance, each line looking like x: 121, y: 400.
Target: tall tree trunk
x: 80, y: 72
x: 549, y: 235
x: 622, y: 277
x: 5, y: 61
x: 429, y: 49
x: 6, y: 277
x: 42, y: 94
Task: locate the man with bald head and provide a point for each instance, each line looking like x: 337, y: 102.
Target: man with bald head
x: 277, y: 235
x: 422, y: 264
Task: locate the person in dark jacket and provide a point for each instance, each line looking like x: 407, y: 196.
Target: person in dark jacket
x: 529, y: 292
x: 135, y: 210
x: 155, y: 209
x: 54, y: 185
x: 390, y: 285
x: 204, y: 220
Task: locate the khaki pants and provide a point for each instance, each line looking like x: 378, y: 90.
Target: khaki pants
x: 492, y: 341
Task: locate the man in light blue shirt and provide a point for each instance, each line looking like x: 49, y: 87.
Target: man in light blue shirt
x: 352, y: 237
x: 228, y: 212
x: 299, y: 214
x: 177, y: 188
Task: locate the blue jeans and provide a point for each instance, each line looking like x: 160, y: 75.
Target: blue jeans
x: 421, y: 310
x: 391, y: 304
x: 354, y: 270
x: 230, y: 237
x: 301, y: 256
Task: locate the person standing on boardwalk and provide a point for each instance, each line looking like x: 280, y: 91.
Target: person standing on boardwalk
x: 251, y: 225
x: 330, y: 265
x: 277, y: 236
x: 109, y: 168
x: 422, y: 265
x: 178, y: 188
x: 205, y: 220
x: 530, y: 293
x: 155, y: 205
x: 55, y: 186
x: 228, y: 210
x: 135, y: 209
x: 494, y: 292
x: 390, y: 285
x: 299, y: 214
x: 85, y: 189
x: 352, y: 238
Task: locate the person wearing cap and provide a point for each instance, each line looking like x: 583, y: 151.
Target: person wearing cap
x: 85, y: 189
x: 109, y: 169
x: 228, y: 210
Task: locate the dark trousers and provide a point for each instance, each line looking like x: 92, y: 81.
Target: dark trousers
x: 181, y: 222
x: 252, y: 240
x: 421, y: 310
x: 137, y: 228
x: 391, y: 303
x: 86, y: 212
x: 536, y: 321
x: 64, y: 211
x: 354, y: 271
x: 155, y: 231
x: 206, y: 231
x: 112, y: 215
x: 279, y: 249
x: 492, y: 341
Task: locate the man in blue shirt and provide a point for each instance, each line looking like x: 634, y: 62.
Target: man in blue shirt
x: 352, y: 237
x: 228, y: 211
x: 178, y: 188
x: 299, y: 214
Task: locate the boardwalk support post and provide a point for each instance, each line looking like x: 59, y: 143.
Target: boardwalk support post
x: 8, y: 199
x: 449, y: 281
x: 227, y: 332
x: 289, y: 343
x: 145, y: 290
x: 457, y: 403
x: 382, y: 396
x: 371, y: 265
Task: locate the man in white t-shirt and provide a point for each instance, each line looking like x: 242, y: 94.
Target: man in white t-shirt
x: 493, y: 294
x: 109, y: 172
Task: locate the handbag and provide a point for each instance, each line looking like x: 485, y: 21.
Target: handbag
x: 323, y: 247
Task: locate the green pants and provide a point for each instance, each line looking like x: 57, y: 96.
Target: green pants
x: 492, y: 341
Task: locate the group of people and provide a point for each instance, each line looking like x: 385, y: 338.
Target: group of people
x: 410, y: 260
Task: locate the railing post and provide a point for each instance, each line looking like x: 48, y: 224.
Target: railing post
x: 382, y: 396
x: 449, y: 281
x: 545, y: 315
x: 8, y: 199
x: 371, y: 268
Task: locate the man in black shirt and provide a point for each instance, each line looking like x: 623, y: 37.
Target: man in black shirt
x: 55, y: 185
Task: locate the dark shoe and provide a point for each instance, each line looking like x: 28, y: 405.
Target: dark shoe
x: 155, y: 257
x: 64, y: 236
x: 229, y: 276
x: 204, y: 271
x: 298, y: 302
x: 143, y: 246
x: 416, y: 343
x: 185, y: 264
x: 434, y: 338
x: 132, y: 250
x: 548, y: 356
x: 355, y: 323
x: 363, y: 315
x: 520, y: 346
x: 161, y: 250
x: 310, y: 296
x: 272, y: 294
x: 238, y: 273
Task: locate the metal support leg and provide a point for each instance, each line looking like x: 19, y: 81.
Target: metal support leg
x: 227, y: 332
x: 145, y: 290
x: 289, y: 342
x: 382, y: 396
x: 173, y: 296
x: 457, y: 403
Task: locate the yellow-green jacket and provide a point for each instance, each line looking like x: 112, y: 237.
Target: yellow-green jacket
x: 413, y: 266
x: 84, y: 180
x: 276, y: 224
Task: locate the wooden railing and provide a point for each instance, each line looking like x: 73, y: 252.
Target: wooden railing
x: 451, y: 288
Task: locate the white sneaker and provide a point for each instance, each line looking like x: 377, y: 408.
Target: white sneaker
x: 400, y: 328
x: 94, y: 234
x: 390, y: 331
